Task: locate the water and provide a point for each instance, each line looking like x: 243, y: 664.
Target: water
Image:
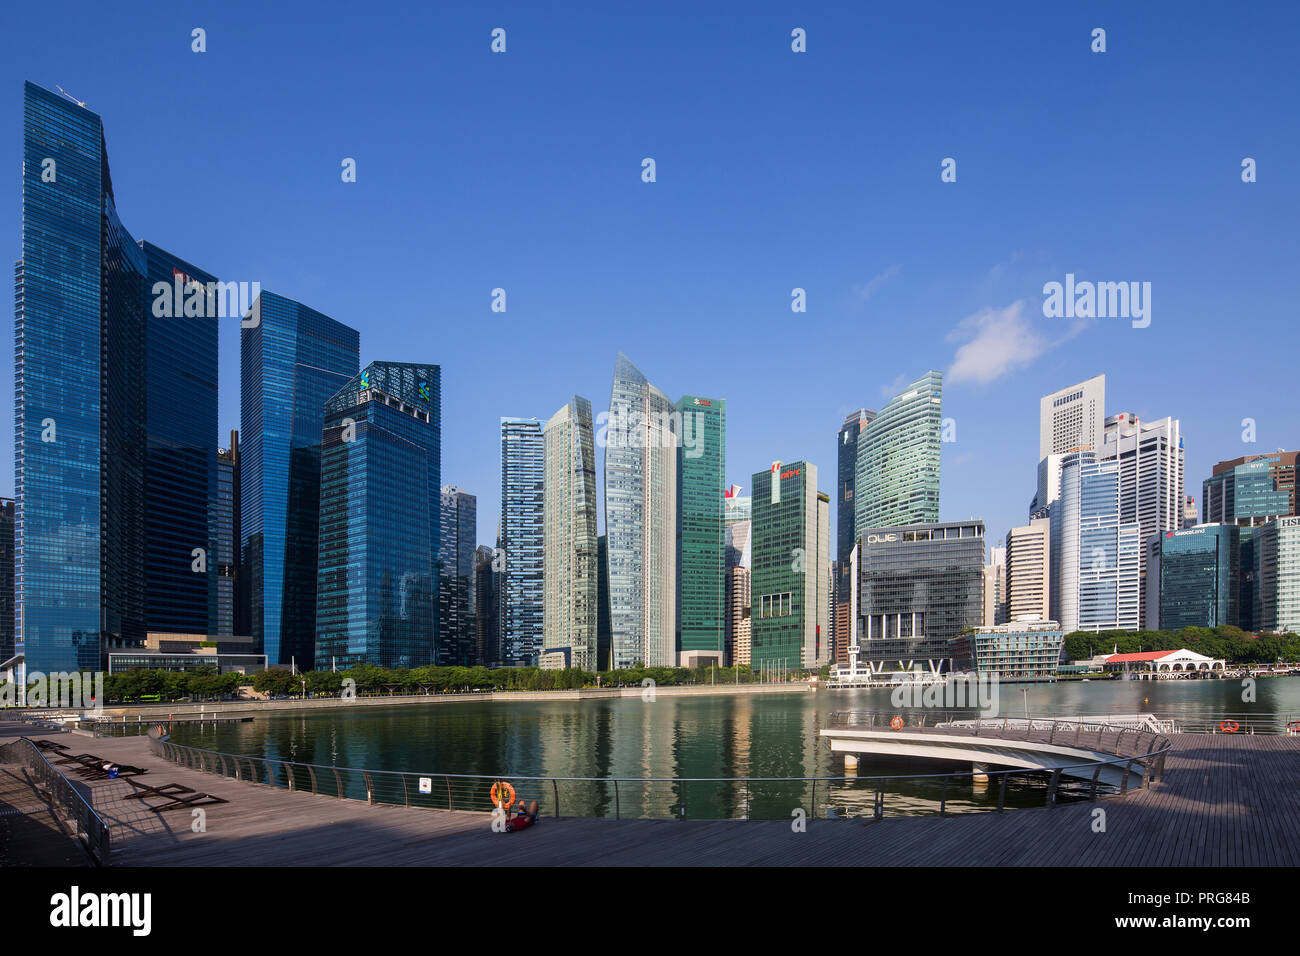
x: 773, y: 735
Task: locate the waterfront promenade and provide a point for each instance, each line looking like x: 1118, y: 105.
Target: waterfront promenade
x: 1225, y: 801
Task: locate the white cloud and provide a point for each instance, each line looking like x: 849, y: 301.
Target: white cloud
x: 865, y: 292
x: 997, y: 341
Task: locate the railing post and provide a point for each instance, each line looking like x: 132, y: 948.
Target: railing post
x: 1051, y: 734
x: 813, y: 812
x: 943, y: 797
x: 451, y: 804
x: 406, y: 793
x: 1002, y: 790
x: 338, y: 783
x: 1092, y: 790
x: 746, y: 798
x: 370, y: 790
x: 1078, y: 729
x: 270, y: 773
x: 1123, y: 785
x: 1051, y: 787
x: 616, y: 806
x: 555, y: 788
x: 288, y: 772
x: 311, y: 773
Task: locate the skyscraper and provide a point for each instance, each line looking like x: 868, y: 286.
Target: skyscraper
x: 1069, y: 419
x: 737, y: 519
x: 1195, y: 577
x: 701, y: 537
x: 459, y: 510
x: 520, y: 540
x: 897, y: 476
x: 1150, y: 459
x: 487, y: 606
x: 1251, y: 490
x: 226, y: 520
x: 569, y: 577
x: 995, y: 587
x: 293, y: 360
x: 1029, y: 571
x: 1095, y: 555
x: 641, y: 444
x: 789, y: 583
x: 6, y: 579
x: 846, y: 445
x: 380, y: 519
x: 180, y: 477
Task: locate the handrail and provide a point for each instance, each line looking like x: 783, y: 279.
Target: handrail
x: 1151, y: 764
x: 91, y: 828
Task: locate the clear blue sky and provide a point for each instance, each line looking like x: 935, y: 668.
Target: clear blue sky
x: 775, y: 170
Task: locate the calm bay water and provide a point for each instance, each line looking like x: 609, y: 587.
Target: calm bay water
x: 774, y: 735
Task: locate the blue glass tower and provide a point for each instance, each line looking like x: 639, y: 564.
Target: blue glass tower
x: 380, y: 518
x: 80, y: 399
x: 293, y: 360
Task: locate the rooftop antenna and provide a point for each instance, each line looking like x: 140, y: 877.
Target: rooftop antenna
x: 70, y: 96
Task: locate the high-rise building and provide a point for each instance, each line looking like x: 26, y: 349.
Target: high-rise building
x: 1028, y: 550
x: 1195, y: 577
x: 737, y: 518
x: 1095, y: 555
x: 738, y: 617
x: 226, y: 521
x: 569, y: 576
x: 789, y: 581
x: 920, y: 586
x: 456, y: 606
x: 995, y: 587
x: 1277, y: 569
x: 293, y: 360
x: 603, y: 636
x: 1189, y: 511
x: 1150, y: 458
x: 1251, y: 490
x: 487, y: 605
x: 523, y: 474
x: 6, y: 579
x: 1069, y: 419
x: 180, y: 477
x: 897, y: 475
x: 380, y: 519
x: 115, y: 413
x: 701, y: 538
x: 846, y: 445
x: 641, y: 445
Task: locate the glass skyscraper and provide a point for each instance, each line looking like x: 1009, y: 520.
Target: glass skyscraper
x: 897, y: 478
x: 1196, y: 577
x: 456, y: 598
x: 381, y: 519
x: 226, y: 522
x: 569, y: 534
x: 701, y: 539
x: 293, y: 360
x: 641, y: 446
x: 520, y: 540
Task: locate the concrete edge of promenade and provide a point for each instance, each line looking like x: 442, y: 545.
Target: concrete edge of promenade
x: 253, y: 708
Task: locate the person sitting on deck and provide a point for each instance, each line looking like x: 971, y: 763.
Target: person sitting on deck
x: 524, y: 818
x: 110, y: 768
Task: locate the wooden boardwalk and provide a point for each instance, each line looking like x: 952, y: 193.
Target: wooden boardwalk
x: 1225, y: 801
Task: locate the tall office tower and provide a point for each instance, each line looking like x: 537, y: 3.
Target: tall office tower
x: 519, y: 536
x: 738, y: 617
x: 78, y: 417
x: 1150, y: 458
x: 846, y: 445
x: 293, y: 360
x: 790, y: 589
x: 897, y: 475
x: 569, y: 578
x: 1251, y: 490
x: 1096, y: 557
x: 995, y: 587
x: 701, y: 538
x: 1069, y: 419
x: 1028, y: 550
x: 180, y: 476
x: 603, y: 640
x: 380, y: 519
x: 226, y: 531
x: 1277, y: 568
x: 641, y: 445
x: 487, y: 604
x: 6, y: 579
x: 1195, y: 577
x: 459, y: 528
x: 737, y: 518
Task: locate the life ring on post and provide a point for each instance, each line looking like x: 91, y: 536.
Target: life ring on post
x: 497, y: 799
x: 1293, y: 728
x: 896, y: 723
x: 1229, y: 726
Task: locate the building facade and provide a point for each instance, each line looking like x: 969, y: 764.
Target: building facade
x: 487, y: 606
x: 227, y: 622
x: 1195, y: 575
x: 701, y: 535
x: 641, y: 447
x: 1251, y: 490
x: 456, y: 594
x: 6, y: 579
x: 569, y: 577
x: 1023, y: 651
x: 1069, y: 419
x: 1028, y: 550
x: 789, y: 580
x: 523, y: 475
x: 293, y: 360
x: 995, y: 587
x: 1277, y: 570
x: 897, y: 476
x: 380, y: 519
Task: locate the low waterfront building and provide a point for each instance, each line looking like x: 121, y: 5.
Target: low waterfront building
x: 1017, y: 651
x: 1153, y: 664
x: 187, y: 652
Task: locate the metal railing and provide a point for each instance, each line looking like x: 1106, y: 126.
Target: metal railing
x: 736, y: 798
x: 62, y: 795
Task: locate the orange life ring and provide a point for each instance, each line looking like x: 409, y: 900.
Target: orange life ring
x: 1229, y: 726
x: 1294, y: 726
x: 496, y: 794
x: 897, y: 723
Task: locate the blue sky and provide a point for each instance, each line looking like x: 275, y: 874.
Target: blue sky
x: 775, y: 170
